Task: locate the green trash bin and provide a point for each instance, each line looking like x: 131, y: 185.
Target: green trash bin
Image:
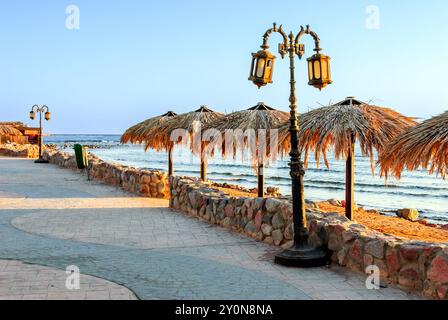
x: 81, y: 156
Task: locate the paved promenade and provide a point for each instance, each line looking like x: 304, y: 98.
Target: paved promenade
x: 129, y: 247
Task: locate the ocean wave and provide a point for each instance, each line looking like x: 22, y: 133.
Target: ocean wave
x: 326, y: 185
x: 417, y: 189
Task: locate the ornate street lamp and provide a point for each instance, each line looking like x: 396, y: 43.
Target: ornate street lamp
x: 301, y: 254
x: 36, y: 109
x: 262, y: 68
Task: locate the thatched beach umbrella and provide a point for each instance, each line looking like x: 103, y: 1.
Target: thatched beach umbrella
x: 9, y: 133
x: 425, y: 145
x: 340, y: 126
x: 187, y: 122
x: 251, y: 129
x: 145, y: 131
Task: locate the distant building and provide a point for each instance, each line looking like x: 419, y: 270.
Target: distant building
x: 29, y: 134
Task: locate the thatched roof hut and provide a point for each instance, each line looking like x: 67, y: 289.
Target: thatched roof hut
x: 171, y: 131
x: 251, y: 129
x: 343, y: 124
x: 9, y: 133
x: 6, y: 130
x: 425, y: 145
x: 145, y: 131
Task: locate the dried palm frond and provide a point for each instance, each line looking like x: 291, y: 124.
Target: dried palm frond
x: 10, y: 134
x: 425, y: 145
x: 247, y: 130
x: 6, y: 130
x: 144, y: 132
x: 333, y: 126
x: 185, y: 122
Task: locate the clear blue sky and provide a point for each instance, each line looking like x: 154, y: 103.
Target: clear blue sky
x: 134, y: 59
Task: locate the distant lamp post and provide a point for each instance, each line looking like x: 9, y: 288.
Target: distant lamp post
x: 44, y: 109
x: 301, y: 254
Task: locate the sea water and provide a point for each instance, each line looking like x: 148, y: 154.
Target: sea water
x: 418, y: 189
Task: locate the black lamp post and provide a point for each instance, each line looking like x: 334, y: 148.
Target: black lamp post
x: 36, y: 109
x: 301, y: 254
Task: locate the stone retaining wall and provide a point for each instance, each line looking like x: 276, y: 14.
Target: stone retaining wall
x: 19, y: 150
x: 410, y: 264
x: 148, y: 183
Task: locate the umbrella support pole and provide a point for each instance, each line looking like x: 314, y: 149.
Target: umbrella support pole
x: 203, y: 170
x: 350, y: 181
x: 170, y: 162
x: 261, y: 181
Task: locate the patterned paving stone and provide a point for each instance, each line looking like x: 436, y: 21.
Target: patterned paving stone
x: 20, y: 281
x: 144, y: 246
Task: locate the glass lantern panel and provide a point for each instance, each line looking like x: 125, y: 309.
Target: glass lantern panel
x: 310, y: 70
x: 252, y: 67
x: 260, y: 67
x: 324, y: 63
x: 317, y: 74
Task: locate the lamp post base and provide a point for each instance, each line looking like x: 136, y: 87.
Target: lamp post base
x: 41, y: 160
x: 302, y: 256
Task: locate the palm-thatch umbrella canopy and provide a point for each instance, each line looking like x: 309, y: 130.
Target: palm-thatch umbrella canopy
x: 187, y: 122
x: 425, y: 145
x: 9, y: 133
x: 340, y: 126
x: 145, y: 131
x: 253, y: 129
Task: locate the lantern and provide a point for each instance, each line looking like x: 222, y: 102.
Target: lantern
x: 32, y: 115
x: 319, y: 71
x: 47, y: 115
x: 262, y: 68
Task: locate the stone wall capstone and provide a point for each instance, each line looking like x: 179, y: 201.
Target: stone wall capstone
x: 418, y: 266
x: 148, y: 183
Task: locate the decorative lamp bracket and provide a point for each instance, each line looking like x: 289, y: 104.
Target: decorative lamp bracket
x: 282, y: 50
x: 300, y: 50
